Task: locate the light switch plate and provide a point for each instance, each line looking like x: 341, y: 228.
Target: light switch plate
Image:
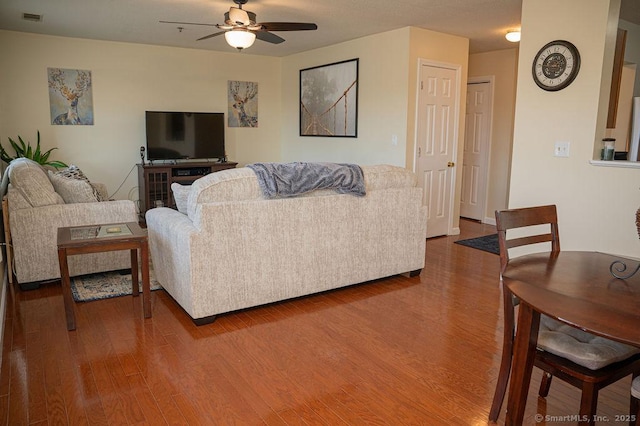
x: 561, y: 149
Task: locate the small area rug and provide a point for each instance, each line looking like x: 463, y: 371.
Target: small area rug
x: 487, y: 243
x: 105, y: 285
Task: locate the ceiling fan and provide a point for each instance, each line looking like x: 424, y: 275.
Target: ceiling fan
x: 240, y: 28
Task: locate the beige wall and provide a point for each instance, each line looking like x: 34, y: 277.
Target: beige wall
x: 502, y: 65
x: 382, y: 100
x: 387, y: 98
x: 596, y: 205
x: 131, y: 78
x: 127, y: 80
x: 387, y: 95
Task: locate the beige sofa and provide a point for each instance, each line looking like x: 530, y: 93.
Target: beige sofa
x: 233, y: 249
x: 36, y: 211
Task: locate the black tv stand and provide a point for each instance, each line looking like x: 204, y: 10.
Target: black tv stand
x: 154, y: 180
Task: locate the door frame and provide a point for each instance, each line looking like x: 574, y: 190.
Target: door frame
x: 490, y: 79
x: 453, y: 202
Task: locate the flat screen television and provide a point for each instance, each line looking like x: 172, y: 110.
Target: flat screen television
x: 184, y: 135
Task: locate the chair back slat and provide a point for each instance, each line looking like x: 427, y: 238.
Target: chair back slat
x: 533, y: 239
x: 523, y: 218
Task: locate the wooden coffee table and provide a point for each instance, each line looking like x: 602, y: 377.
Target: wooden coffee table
x: 101, y: 238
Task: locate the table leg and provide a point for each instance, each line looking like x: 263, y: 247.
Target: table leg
x: 135, y: 285
x: 524, y: 353
x: 146, y: 285
x: 66, y: 289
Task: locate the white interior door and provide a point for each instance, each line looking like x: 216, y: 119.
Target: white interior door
x: 475, y: 165
x: 436, y: 125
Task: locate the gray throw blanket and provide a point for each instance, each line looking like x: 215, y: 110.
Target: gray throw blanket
x: 291, y: 179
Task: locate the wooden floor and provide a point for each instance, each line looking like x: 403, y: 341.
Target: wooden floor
x: 398, y: 351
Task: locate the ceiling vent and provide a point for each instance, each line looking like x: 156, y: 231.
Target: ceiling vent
x: 33, y: 17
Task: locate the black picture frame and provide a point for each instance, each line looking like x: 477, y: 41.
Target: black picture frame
x: 329, y: 100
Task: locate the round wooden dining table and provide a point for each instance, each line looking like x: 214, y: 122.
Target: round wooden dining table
x: 576, y: 288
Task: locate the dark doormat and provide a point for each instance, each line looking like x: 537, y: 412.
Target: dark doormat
x: 487, y: 243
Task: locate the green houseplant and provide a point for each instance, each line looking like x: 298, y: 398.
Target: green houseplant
x: 25, y: 150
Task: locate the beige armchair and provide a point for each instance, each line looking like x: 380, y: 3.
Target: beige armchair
x: 34, y: 209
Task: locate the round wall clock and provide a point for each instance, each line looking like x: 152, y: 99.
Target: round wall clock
x: 556, y: 65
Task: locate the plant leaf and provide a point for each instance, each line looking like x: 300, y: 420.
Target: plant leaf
x: 57, y: 164
x: 45, y: 155
x: 16, y: 148
x: 36, y: 153
x: 4, y: 156
x: 25, y: 150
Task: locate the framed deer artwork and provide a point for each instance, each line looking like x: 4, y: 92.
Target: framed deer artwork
x: 329, y: 100
x: 70, y: 96
x: 242, y: 99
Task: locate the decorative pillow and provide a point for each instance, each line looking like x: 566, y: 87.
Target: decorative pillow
x: 74, y: 186
x: 181, y: 195
x: 30, y: 179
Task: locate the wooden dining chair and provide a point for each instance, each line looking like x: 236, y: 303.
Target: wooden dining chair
x: 563, y: 351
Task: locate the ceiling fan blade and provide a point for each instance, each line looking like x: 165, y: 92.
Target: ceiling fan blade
x: 211, y: 35
x: 288, y: 26
x: 268, y: 37
x: 187, y: 23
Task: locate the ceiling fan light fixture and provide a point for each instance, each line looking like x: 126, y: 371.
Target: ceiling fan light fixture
x: 240, y: 39
x: 513, y: 36
x: 239, y: 16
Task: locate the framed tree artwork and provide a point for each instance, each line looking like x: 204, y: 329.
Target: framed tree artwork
x: 329, y: 100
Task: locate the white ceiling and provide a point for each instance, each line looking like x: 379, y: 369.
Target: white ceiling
x: 484, y: 22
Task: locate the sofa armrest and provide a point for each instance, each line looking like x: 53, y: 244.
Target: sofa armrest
x: 169, y: 229
x: 170, y: 238
x: 34, y: 233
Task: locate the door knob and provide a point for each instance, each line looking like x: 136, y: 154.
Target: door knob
x: 451, y: 164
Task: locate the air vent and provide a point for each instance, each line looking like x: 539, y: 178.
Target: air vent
x: 33, y: 17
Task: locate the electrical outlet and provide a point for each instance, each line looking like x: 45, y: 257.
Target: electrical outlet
x: 394, y: 140
x: 561, y: 149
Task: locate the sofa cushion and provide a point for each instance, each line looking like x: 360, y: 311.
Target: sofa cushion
x: 384, y: 176
x: 74, y: 187
x: 30, y: 179
x: 181, y: 196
